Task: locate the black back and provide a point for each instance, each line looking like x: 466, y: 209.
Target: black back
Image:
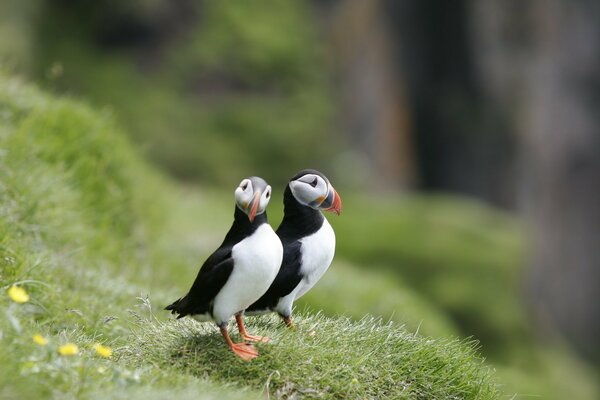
x: 298, y: 222
x: 217, y: 268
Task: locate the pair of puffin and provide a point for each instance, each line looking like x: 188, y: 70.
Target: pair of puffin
x: 259, y: 270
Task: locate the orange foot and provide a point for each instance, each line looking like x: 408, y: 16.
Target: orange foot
x: 242, y: 329
x: 255, y: 338
x: 245, y: 351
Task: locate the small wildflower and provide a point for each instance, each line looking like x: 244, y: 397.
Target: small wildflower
x: 18, y: 294
x: 68, y: 349
x: 39, y: 339
x: 354, y: 381
x: 103, y: 351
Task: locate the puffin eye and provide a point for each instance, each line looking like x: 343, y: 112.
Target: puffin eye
x: 268, y: 194
x: 244, y: 186
x: 314, y: 183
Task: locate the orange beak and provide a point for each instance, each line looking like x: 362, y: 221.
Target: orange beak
x: 336, y: 204
x: 254, y: 204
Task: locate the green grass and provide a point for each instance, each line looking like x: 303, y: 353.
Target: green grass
x: 324, y: 358
x: 362, y: 291
x: 449, y: 249
x: 89, y: 230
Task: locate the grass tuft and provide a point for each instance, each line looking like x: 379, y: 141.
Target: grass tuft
x: 324, y: 357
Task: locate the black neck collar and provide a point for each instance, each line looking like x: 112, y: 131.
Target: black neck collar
x: 242, y: 227
x: 298, y: 220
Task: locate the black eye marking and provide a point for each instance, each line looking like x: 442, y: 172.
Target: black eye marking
x: 244, y: 186
x: 314, y: 183
x: 268, y: 194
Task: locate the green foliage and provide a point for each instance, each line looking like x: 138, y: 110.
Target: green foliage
x: 239, y: 86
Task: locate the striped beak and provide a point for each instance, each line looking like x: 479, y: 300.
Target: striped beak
x: 254, y: 206
x: 332, y: 202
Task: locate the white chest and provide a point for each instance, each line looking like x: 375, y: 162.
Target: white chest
x: 317, y: 250
x: 256, y: 263
x: 261, y: 252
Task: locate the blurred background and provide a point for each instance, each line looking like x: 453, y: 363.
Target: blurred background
x: 463, y: 137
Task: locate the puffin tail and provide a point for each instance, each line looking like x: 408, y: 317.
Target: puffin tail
x: 177, y: 307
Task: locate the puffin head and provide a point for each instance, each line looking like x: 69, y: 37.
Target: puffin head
x: 311, y: 188
x: 252, y: 196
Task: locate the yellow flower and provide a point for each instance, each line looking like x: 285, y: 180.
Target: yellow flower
x: 39, y: 339
x: 68, y: 349
x: 354, y: 381
x: 103, y: 351
x: 18, y: 294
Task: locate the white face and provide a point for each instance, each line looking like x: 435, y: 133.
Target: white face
x: 310, y: 190
x: 251, y: 199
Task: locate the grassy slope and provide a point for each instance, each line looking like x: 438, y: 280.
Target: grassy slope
x: 441, y: 246
x: 451, y: 240
x: 467, y: 260
x: 84, y: 229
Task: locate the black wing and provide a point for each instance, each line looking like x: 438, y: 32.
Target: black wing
x: 286, y: 280
x: 213, y: 275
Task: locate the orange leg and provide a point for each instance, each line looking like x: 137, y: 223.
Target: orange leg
x: 240, y: 322
x: 245, y: 351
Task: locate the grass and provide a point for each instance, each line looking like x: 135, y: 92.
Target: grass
x: 315, y: 360
x: 451, y: 250
x: 384, y: 295
x: 89, y: 231
x: 86, y: 228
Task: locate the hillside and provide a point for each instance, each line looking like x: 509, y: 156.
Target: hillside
x: 85, y: 230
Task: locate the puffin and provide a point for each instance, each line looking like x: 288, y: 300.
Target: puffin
x: 308, y: 242
x: 239, y: 271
